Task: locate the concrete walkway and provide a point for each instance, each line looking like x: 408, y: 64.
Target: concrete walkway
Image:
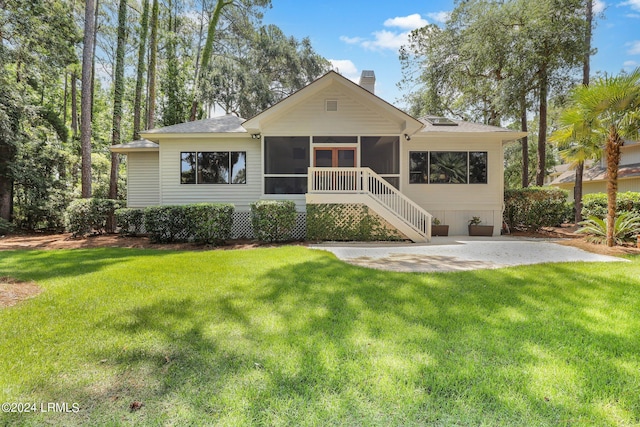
x: 459, y: 253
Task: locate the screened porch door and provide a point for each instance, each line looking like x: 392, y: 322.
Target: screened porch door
x: 334, y: 157
x: 335, y: 178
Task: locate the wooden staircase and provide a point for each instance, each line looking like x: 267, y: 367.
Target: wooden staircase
x: 364, y: 186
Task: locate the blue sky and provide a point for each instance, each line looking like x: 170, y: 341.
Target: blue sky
x: 359, y: 35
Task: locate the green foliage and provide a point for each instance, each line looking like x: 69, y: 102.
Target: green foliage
x: 534, y: 207
x: 346, y: 222
x: 84, y: 216
x: 476, y: 220
x: 6, y: 227
x: 42, y: 187
x: 130, y: 221
x: 273, y: 220
x: 201, y: 222
x: 626, y: 228
x: 595, y: 204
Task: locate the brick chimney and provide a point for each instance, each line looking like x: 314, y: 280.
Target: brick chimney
x: 368, y: 80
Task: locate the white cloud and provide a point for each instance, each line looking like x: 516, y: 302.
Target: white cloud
x: 599, y: 6
x: 410, y: 22
x: 390, y: 39
x: 443, y: 16
x: 634, y: 4
x: 628, y: 65
x: 386, y: 40
x: 635, y: 47
x: 346, y: 67
x: 351, y: 40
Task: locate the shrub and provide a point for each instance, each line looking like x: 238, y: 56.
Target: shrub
x: 626, y: 227
x: 346, y: 222
x: 210, y: 223
x: 273, y: 220
x: 6, y: 227
x: 201, y: 222
x: 596, y: 204
x: 130, y: 221
x: 84, y: 216
x: 534, y: 207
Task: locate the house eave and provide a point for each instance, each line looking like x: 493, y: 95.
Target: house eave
x: 155, y: 137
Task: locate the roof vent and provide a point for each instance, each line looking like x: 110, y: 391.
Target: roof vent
x: 441, y: 121
x: 368, y: 80
x: 331, y: 105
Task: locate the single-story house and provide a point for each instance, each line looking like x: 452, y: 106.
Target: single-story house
x: 594, y: 179
x: 332, y: 142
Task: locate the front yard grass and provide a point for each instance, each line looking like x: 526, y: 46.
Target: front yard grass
x: 291, y: 336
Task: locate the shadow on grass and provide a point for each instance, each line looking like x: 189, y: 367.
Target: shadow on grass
x: 321, y: 342
x: 40, y: 265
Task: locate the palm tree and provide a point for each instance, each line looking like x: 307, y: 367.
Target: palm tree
x: 612, y: 104
x: 578, y: 140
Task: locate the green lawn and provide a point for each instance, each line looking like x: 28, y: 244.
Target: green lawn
x: 291, y: 336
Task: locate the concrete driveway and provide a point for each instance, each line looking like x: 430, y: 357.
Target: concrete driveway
x: 459, y: 253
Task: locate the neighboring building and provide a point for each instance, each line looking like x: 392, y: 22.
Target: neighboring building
x: 595, y: 175
x: 330, y: 142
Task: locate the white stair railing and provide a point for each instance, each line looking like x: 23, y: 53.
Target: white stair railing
x: 366, y: 181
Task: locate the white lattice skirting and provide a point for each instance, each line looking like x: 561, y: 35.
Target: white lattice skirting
x: 242, y: 228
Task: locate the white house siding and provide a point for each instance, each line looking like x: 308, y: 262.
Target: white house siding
x: 241, y: 195
x: 143, y: 179
x: 354, y: 116
x: 624, y: 185
x: 456, y: 204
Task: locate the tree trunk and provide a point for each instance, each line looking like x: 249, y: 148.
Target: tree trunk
x: 74, y: 105
x: 577, y: 192
x: 118, y: 91
x: 86, y: 101
x: 525, y: 146
x: 542, y: 130
x: 153, y: 41
x: 7, y: 154
x: 612, y: 149
x: 137, y: 103
x: 93, y: 55
x: 206, y: 52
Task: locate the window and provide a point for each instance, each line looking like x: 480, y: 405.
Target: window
x: 335, y: 139
x: 477, y: 167
x: 418, y: 167
x: 448, y: 167
x: 213, y: 167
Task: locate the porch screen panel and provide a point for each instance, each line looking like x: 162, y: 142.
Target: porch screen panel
x: 286, y: 154
x: 381, y: 154
x: 286, y: 160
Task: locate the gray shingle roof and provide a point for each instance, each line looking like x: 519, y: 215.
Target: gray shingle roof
x: 221, y: 124
x: 598, y: 173
x: 140, y: 144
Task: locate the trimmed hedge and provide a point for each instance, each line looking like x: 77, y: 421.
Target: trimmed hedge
x: 351, y: 222
x: 535, y: 207
x: 84, y: 216
x: 596, y: 204
x: 130, y: 221
x: 273, y: 220
x: 201, y: 222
